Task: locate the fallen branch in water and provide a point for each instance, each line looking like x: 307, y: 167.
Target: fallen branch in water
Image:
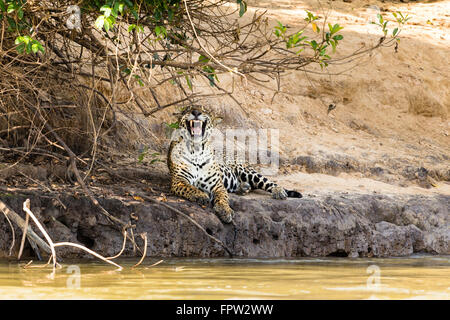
x: 28, y: 265
x: 26, y: 208
x: 195, y: 223
x: 144, y: 236
x: 123, y: 246
x: 13, y: 233
x: 70, y: 244
x: 155, y: 264
x: 21, y: 223
x: 24, y: 235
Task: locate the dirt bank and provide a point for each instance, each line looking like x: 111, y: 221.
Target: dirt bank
x: 323, y: 223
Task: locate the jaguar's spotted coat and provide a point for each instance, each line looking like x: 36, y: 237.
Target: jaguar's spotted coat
x: 196, y: 176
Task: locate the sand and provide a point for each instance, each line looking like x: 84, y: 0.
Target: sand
x: 392, y: 110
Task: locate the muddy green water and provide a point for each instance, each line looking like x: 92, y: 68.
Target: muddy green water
x: 417, y: 277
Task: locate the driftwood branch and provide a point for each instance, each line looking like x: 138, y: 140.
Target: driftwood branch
x: 26, y: 208
x: 144, y: 254
x: 21, y: 223
x: 24, y: 235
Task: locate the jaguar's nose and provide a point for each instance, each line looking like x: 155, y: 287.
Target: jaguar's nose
x: 196, y: 113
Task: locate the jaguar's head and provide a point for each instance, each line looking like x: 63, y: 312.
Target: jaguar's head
x: 196, y: 124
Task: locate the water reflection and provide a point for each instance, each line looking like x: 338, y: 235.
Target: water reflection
x: 417, y: 277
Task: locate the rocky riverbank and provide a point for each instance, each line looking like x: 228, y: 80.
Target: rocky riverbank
x: 320, y: 224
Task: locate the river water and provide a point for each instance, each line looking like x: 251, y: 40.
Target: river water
x: 416, y: 277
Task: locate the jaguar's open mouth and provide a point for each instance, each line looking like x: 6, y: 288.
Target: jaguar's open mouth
x: 196, y: 128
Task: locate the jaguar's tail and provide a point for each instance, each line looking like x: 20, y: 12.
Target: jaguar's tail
x: 293, y: 194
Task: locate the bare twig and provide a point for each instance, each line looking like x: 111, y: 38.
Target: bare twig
x: 70, y: 244
x: 26, y: 208
x: 24, y: 234
x: 123, y: 246
x: 155, y: 264
x: 144, y: 254
x: 21, y: 223
x: 13, y: 233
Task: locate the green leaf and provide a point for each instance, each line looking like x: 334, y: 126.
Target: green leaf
x: 11, y: 8
x: 35, y: 47
x: 157, y: 15
x: 174, y: 125
x: 108, y: 23
x: 20, y: 13
x: 18, y: 40
x: 338, y: 37
x: 115, y: 10
x: 106, y: 10
x: 170, y: 14
x: 111, y: 20
x: 394, y: 33
x: 337, y: 28
x: 311, y: 17
x: 138, y: 78
x: 203, y: 59
x: 41, y: 48
x: 188, y: 81
x: 313, y: 44
x: 20, y: 48
x: 12, y: 24
x: 160, y: 31
x: 100, y: 22
x: 134, y: 13
x: 210, y: 74
x: 141, y: 156
x: 28, y: 47
x: 2, y: 6
x: 242, y: 7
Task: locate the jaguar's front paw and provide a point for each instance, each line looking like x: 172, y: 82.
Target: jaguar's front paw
x: 279, y: 193
x: 224, y: 212
x: 201, y: 198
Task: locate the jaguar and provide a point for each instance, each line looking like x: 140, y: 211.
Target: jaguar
x: 197, y: 176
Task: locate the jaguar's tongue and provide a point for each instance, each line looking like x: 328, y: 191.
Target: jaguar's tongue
x: 196, y: 128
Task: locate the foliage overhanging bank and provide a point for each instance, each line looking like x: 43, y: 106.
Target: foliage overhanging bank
x: 68, y: 67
